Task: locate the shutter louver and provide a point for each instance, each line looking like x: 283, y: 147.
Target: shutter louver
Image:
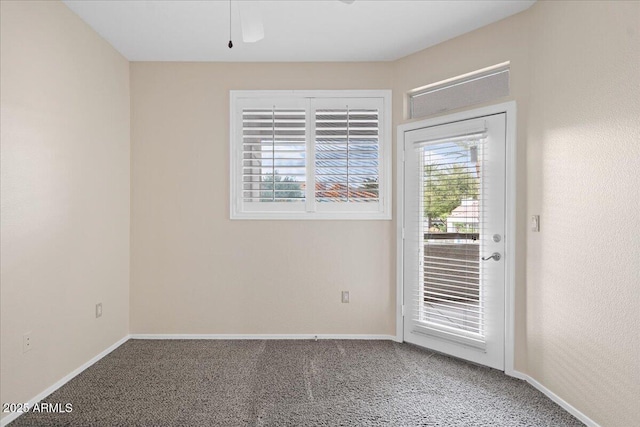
x: 449, y: 297
x: 347, y: 155
x: 273, y: 155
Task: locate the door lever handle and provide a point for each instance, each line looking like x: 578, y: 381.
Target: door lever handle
x: 496, y: 256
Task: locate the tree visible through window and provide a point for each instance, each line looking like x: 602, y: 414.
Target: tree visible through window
x: 287, y: 189
x: 451, y: 182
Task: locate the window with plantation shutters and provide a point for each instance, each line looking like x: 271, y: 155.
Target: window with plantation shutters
x: 310, y: 155
x: 273, y: 155
x: 346, y: 148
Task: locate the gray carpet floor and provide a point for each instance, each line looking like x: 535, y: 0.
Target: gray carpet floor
x: 293, y: 383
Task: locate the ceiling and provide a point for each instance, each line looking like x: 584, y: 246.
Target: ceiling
x: 301, y: 30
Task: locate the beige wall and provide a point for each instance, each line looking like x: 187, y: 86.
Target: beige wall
x: 65, y: 195
x: 196, y: 271
x: 583, y: 268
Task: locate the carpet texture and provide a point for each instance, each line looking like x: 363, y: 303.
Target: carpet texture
x: 293, y: 383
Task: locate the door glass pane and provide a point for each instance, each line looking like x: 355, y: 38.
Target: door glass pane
x: 451, y: 207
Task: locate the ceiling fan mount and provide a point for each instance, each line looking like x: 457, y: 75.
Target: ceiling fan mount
x: 251, y: 20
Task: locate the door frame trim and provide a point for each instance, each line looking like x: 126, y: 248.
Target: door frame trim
x: 509, y: 108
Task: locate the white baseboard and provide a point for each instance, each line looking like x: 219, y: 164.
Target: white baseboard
x: 516, y: 374
x: 12, y: 416
x: 260, y: 337
x: 557, y: 399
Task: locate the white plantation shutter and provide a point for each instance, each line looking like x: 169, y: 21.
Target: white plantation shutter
x: 448, y: 301
x: 347, y: 155
x: 273, y: 155
x: 307, y: 156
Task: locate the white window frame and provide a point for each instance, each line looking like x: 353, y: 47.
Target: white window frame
x: 457, y: 82
x: 311, y: 99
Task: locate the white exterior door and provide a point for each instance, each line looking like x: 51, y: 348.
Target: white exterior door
x: 453, y: 247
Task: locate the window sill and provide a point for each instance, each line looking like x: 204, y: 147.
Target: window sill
x: 333, y: 216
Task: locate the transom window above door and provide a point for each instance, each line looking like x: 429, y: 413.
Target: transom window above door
x: 310, y: 154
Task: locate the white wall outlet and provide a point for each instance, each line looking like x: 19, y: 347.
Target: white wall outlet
x: 26, y: 342
x: 535, y: 223
x: 98, y: 310
x: 345, y: 297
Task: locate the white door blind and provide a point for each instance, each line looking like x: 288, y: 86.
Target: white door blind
x: 347, y: 155
x: 449, y: 295
x: 274, y: 155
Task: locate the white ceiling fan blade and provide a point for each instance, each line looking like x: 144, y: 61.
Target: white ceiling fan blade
x: 251, y: 21
x: 347, y: 1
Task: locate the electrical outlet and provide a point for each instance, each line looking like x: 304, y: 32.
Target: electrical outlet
x: 98, y: 310
x: 345, y: 297
x: 26, y: 342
